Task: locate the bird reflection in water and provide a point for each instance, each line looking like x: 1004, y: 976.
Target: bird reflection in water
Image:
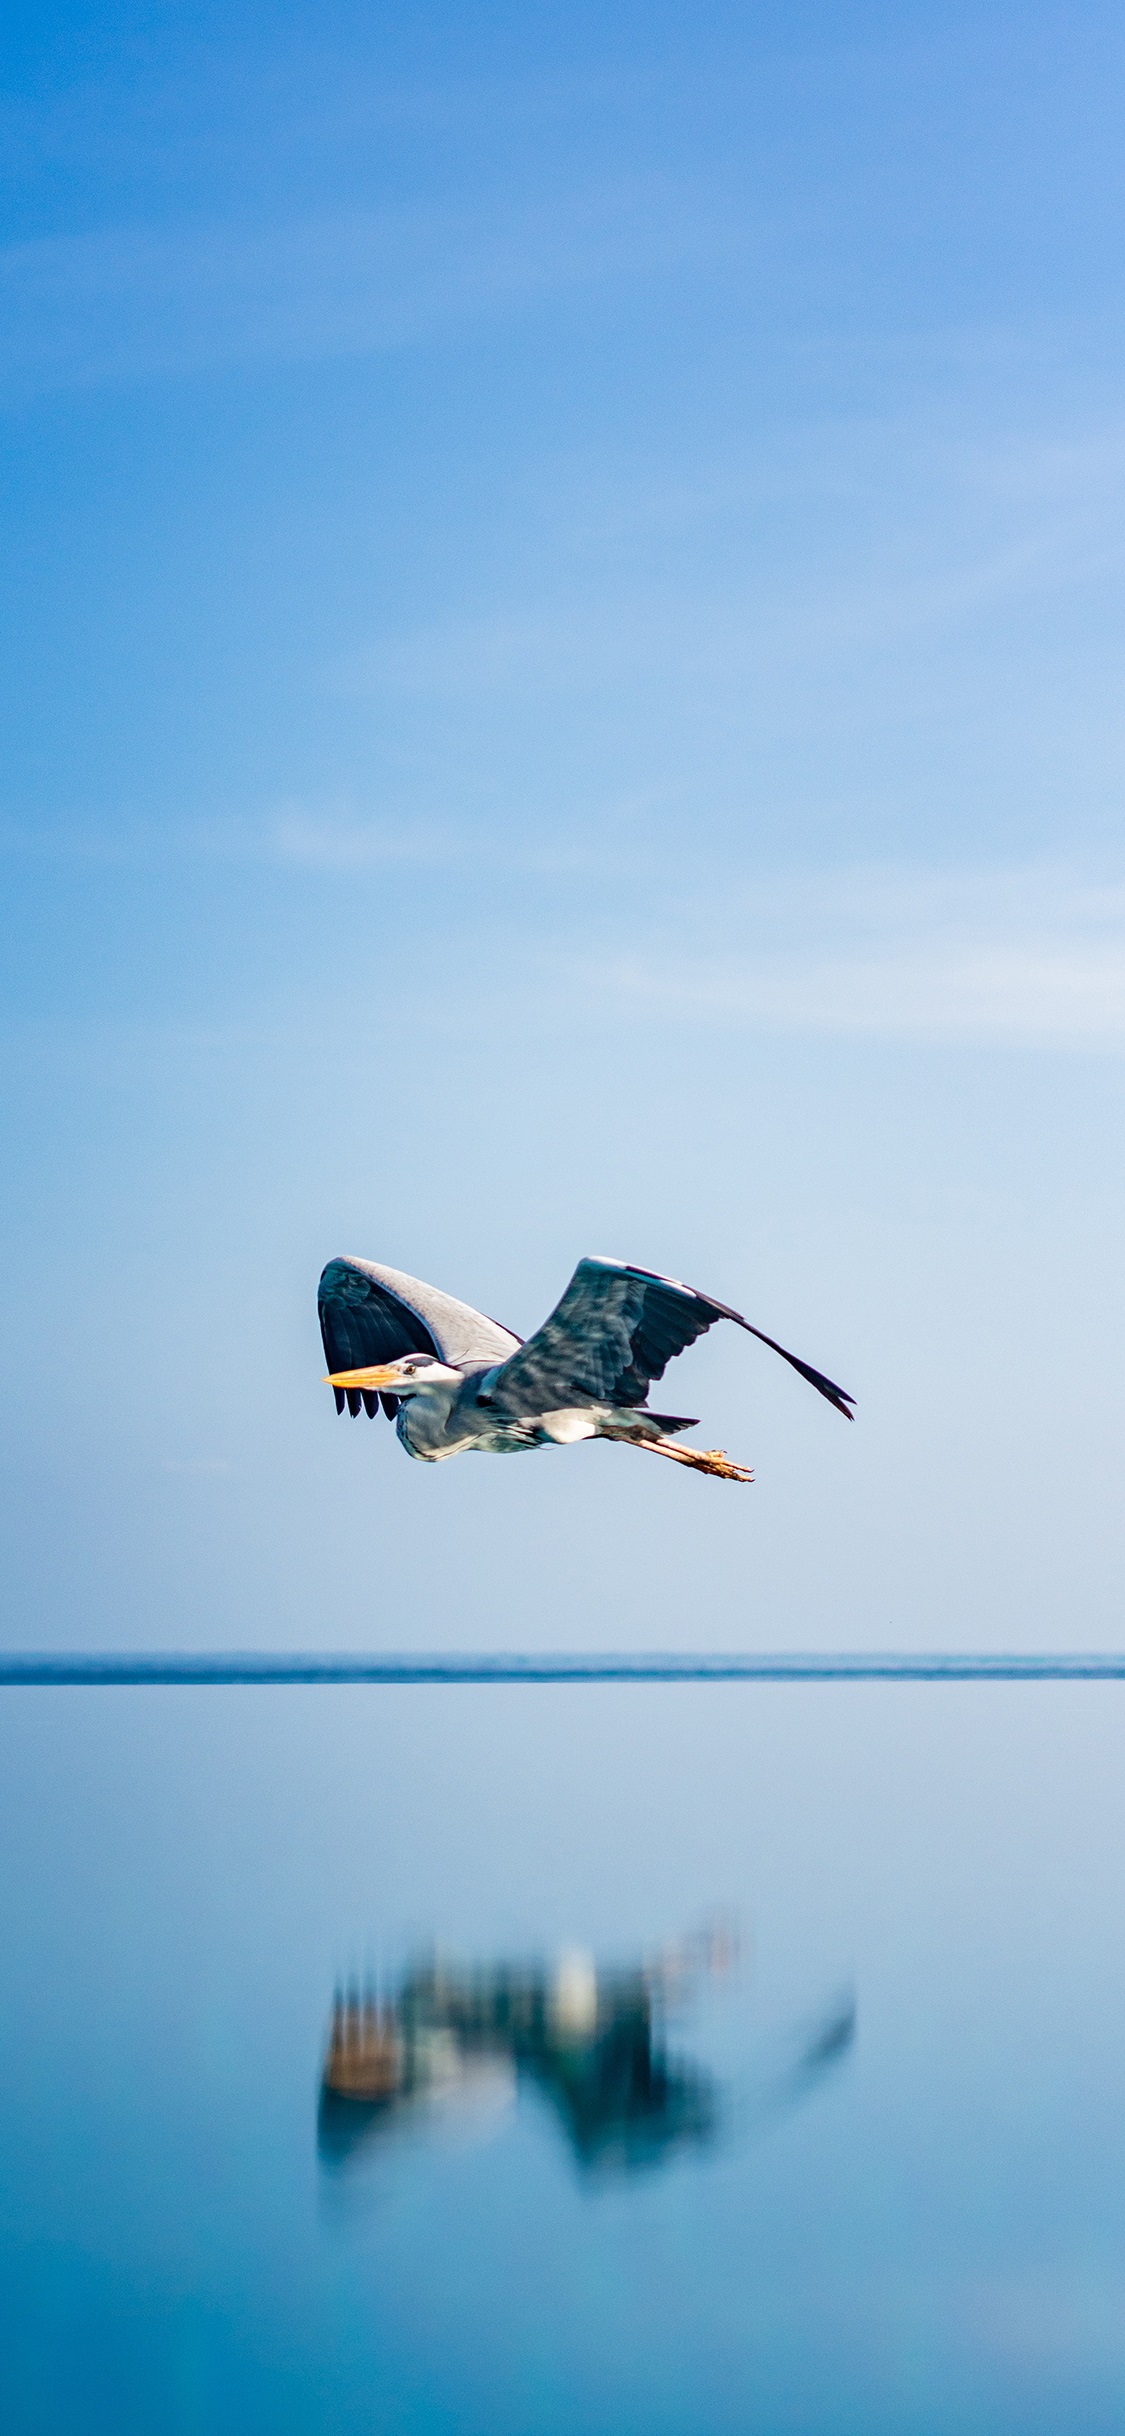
x: 592, y: 2040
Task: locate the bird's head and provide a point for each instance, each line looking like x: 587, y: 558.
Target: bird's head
x: 405, y: 1377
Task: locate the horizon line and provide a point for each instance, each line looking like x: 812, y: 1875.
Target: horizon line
x: 48, y: 1669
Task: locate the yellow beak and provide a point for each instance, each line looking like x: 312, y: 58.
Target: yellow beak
x: 381, y: 1376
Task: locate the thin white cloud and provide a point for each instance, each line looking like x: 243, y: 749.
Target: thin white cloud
x: 347, y: 842
x: 1032, y: 958
x: 339, y: 837
x: 985, y: 536
x: 128, y: 302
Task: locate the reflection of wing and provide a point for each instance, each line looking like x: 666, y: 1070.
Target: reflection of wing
x: 370, y: 1315
x: 613, y: 1331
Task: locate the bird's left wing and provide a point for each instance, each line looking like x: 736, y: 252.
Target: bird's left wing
x: 614, y: 1330
x: 370, y: 1315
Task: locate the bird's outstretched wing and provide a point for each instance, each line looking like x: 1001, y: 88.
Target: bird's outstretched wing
x: 370, y: 1315
x: 613, y: 1331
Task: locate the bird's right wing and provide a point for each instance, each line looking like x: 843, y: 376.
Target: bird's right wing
x: 370, y: 1315
x: 614, y: 1331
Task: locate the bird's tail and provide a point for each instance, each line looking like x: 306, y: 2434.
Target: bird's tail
x: 672, y: 1422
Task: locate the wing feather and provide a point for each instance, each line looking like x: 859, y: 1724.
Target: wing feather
x: 614, y: 1330
x: 370, y: 1315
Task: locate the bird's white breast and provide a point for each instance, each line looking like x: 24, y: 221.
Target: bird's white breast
x: 565, y: 1427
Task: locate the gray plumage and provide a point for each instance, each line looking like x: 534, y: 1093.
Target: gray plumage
x: 456, y: 1381
x: 370, y: 1314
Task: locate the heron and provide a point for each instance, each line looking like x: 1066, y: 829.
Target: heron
x: 455, y: 1382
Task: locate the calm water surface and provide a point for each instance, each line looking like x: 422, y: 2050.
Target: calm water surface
x: 703, y: 2058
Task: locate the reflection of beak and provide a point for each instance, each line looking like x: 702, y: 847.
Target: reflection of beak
x: 384, y: 1374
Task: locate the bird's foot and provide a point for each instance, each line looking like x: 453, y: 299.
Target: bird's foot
x: 713, y: 1459
x: 700, y: 1458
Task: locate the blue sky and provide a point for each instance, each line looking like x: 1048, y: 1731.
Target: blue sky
x: 561, y: 692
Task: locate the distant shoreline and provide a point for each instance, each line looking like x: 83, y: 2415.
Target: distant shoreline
x: 146, y: 1668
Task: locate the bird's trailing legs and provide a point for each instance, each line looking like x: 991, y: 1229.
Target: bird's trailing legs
x: 701, y: 1458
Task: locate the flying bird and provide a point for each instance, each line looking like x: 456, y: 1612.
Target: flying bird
x: 454, y: 1381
